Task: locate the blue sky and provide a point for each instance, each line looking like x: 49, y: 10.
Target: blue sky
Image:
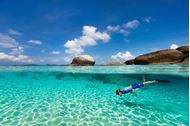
x: 55, y: 31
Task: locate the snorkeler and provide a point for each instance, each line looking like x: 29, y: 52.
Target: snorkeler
x: 135, y: 86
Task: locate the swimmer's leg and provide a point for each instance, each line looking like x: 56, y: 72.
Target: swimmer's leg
x: 150, y: 82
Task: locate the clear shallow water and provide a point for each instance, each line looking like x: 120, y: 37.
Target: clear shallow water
x: 71, y: 96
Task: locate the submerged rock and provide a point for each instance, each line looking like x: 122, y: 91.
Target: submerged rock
x: 83, y: 60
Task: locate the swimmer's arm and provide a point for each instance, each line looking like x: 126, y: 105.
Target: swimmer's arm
x: 134, y: 94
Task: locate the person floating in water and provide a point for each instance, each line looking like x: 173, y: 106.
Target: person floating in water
x: 136, y: 86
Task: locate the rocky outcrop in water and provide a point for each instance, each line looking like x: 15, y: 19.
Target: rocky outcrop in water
x: 167, y: 56
x: 83, y: 60
x: 185, y: 61
x: 130, y: 62
x: 184, y: 50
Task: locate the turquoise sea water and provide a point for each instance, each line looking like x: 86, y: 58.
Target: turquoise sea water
x: 85, y: 96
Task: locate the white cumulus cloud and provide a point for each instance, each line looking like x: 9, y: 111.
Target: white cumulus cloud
x: 147, y: 19
x: 14, y: 32
x: 17, y: 51
x: 35, y: 42
x: 124, y: 32
x: 89, y: 37
x: 7, y: 42
x: 113, y: 28
x: 132, y: 24
x: 173, y: 46
x: 13, y: 58
x: 55, y: 52
x: 121, y: 57
x: 68, y: 59
x: 125, y: 28
x: 90, y: 31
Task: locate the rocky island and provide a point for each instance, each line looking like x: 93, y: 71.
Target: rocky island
x: 179, y: 55
x: 83, y: 60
